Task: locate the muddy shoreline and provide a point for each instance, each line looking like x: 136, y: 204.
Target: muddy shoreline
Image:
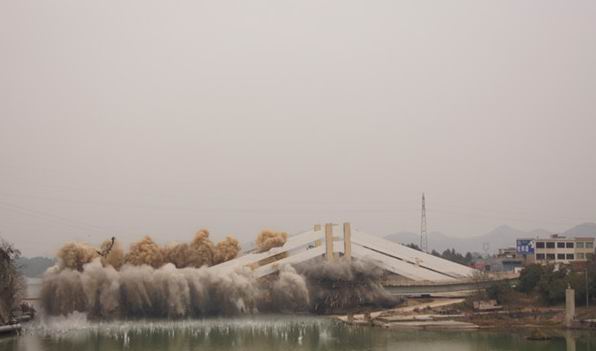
x: 453, y: 314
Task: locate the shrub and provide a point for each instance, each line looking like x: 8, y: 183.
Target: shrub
x: 500, y: 291
x: 529, y: 278
x: 552, y: 284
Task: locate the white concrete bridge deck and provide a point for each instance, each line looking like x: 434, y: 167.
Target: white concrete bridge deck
x: 332, y: 242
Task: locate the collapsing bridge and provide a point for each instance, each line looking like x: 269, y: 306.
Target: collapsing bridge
x: 333, y: 242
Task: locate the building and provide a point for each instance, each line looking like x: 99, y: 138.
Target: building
x: 556, y: 249
x: 505, y: 261
x: 525, y: 250
x: 508, y: 252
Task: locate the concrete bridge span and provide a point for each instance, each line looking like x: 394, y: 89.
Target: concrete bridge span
x: 334, y: 241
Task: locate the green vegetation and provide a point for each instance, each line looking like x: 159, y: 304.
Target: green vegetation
x: 549, y: 283
x: 544, y: 283
x: 455, y: 256
x: 501, y: 291
x: 414, y: 246
x: 552, y: 284
x: 529, y: 278
x: 449, y: 254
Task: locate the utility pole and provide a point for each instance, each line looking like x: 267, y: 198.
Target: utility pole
x: 423, y: 233
x: 486, y: 248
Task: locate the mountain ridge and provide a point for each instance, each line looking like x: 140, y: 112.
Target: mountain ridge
x: 502, y: 236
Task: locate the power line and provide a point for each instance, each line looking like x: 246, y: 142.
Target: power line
x: 51, y: 217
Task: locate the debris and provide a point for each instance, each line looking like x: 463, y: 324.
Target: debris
x: 486, y: 305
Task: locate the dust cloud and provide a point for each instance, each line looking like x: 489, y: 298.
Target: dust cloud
x: 201, y: 251
x: 75, y: 255
x: 146, y: 252
x: 269, y: 239
x: 341, y: 285
x: 175, y: 281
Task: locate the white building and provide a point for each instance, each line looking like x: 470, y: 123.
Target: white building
x: 556, y: 249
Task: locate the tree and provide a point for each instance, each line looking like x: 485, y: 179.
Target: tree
x: 454, y: 256
x: 414, y: 246
x: 577, y: 279
x: 479, y: 278
x: 12, y: 284
x: 500, y: 291
x: 450, y: 255
x: 529, y: 277
x: 552, y: 284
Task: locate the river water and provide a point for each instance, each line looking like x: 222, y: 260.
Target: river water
x: 267, y: 332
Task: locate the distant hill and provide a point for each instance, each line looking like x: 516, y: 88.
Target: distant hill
x: 437, y: 240
x: 503, y: 236
x: 584, y: 229
x: 500, y: 237
x: 35, y: 266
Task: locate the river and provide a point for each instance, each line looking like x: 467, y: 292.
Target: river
x: 267, y: 332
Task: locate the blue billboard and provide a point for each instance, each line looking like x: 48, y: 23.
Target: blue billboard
x: 525, y: 246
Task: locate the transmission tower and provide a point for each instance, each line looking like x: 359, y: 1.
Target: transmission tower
x: 423, y: 233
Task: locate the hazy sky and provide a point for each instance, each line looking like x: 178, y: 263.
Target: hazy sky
x: 160, y: 118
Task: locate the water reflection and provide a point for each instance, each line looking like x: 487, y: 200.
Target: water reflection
x: 265, y: 333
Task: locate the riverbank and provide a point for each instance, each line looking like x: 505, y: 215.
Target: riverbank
x: 455, y: 314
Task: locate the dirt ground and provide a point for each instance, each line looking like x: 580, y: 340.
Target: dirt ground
x: 510, y: 317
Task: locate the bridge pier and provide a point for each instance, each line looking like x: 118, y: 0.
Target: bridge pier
x: 329, y: 242
x: 317, y: 228
x: 347, y: 241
